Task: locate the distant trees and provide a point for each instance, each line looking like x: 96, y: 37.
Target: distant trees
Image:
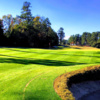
x: 94, y: 38
x: 86, y: 38
x: 90, y: 39
x: 71, y: 39
x: 28, y: 31
x: 75, y: 39
x: 61, y: 35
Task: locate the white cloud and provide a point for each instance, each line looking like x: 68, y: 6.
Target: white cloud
x: 66, y: 37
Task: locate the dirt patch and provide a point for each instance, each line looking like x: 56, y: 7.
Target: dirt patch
x: 63, y: 83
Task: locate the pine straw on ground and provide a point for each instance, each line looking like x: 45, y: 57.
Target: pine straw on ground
x: 64, y: 82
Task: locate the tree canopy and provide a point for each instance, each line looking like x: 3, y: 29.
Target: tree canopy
x: 90, y: 39
x: 61, y: 35
x: 26, y: 30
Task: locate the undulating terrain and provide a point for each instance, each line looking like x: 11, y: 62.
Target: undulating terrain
x: 29, y: 74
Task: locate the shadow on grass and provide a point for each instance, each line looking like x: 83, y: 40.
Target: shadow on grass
x: 35, y: 52
x: 58, y: 53
x: 33, y: 97
x: 76, y: 48
x: 40, y: 95
x: 19, y: 60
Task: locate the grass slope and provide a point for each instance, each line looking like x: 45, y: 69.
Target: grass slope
x: 29, y: 74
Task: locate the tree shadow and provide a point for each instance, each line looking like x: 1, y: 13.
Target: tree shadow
x: 34, y: 52
x: 30, y: 95
x: 33, y: 97
x: 21, y: 60
x: 55, y: 53
x: 87, y: 56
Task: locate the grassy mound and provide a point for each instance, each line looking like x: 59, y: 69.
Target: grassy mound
x: 63, y: 82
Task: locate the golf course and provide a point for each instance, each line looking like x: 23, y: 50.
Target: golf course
x: 29, y: 74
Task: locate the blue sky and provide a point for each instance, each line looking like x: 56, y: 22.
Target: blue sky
x: 75, y: 16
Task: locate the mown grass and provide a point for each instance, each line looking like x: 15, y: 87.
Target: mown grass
x: 29, y: 74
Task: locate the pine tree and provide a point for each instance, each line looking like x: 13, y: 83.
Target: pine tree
x: 61, y: 35
x: 26, y: 12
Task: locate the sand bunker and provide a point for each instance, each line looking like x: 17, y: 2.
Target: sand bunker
x: 86, y: 90
x: 79, y: 84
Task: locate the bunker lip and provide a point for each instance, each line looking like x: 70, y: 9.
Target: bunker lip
x: 63, y: 83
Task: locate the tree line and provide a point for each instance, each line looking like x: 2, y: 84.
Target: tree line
x: 89, y: 39
x: 26, y: 30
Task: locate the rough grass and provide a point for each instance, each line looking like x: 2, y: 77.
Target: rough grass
x: 29, y: 74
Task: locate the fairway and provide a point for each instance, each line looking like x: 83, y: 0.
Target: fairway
x: 29, y: 74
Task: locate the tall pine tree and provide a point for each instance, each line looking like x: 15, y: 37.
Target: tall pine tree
x: 61, y: 35
x: 26, y: 12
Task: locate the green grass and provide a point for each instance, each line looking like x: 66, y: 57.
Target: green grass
x: 28, y: 74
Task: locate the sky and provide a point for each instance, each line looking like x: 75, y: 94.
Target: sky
x: 75, y: 16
